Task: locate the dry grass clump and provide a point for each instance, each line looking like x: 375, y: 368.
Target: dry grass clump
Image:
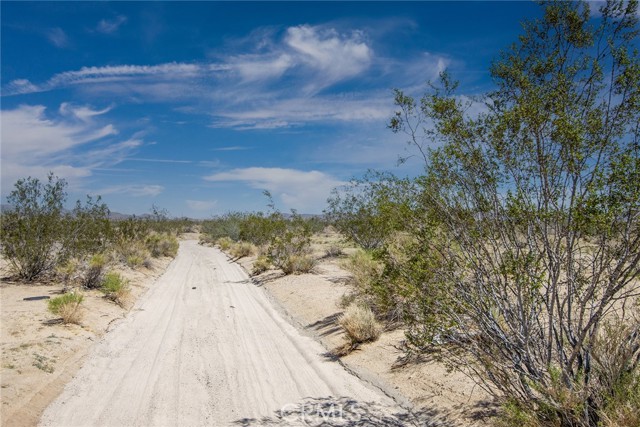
x: 298, y: 264
x: 116, y: 288
x: 242, y: 249
x: 260, y: 265
x: 360, y: 324
x: 67, y: 306
x: 224, y: 243
x: 134, y: 254
x: 334, y: 251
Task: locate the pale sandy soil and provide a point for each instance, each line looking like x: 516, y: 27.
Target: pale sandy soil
x: 39, y: 355
x: 313, y: 303
x: 206, y: 347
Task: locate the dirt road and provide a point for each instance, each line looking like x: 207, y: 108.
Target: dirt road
x: 205, y: 347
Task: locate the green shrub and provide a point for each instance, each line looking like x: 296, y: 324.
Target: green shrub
x: 360, y: 324
x: 260, y: 265
x: 37, y: 234
x: 116, y: 288
x: 259, y: 229
x: 67, y: 306
x: 364, y: 270
x: 162, y: 245
x: 290, y: 249
x: 227, y: 225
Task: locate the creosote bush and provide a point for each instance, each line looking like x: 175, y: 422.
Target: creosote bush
x: 360, y: 324
x: 116, y: 288
x: 38, y: 235
x: 67, y: 306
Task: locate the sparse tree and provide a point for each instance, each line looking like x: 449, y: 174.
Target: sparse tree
x: 530, y: 257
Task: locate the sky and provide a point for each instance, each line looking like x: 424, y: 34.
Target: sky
x: 198, y: 107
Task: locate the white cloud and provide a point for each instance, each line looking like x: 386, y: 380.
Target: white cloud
x: 107, y: 26
x: 134, y: 190
x: 34, y: 143
x: 334, y: 55
x: 283, y: 79
x: 306, y: 191
x: 57, y: 37
x: 201, y: 205
x: 81, y: 112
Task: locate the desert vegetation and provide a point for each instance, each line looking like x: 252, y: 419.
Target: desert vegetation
x: 515, y: 256
x: 41, y: 239
x: 281, y: 241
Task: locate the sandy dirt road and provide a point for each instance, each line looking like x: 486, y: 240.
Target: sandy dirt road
x: 205, y: 346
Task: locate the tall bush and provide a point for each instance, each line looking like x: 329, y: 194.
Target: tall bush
x: 534, y: 206
x: 37, y: 233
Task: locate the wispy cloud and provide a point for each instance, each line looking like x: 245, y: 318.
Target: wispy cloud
x: 57, y: 37
x: 279, y: 79
x: 110, y: 26
x: 305, y: 191
x: 35, y: 142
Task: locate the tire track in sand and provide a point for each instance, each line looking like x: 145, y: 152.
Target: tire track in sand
x: 219, y: 354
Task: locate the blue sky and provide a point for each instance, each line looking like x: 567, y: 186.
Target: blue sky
x: 199, y: 107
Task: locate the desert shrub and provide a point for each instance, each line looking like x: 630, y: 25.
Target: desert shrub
x: 290, y: 246
x: 298, y: 264
x: 227, y: 225
x: 116, y: 288
x: 132, y: 229
x: 132, y: 253
x: 162, y: 244
x: 527, y: 242
x: 224, y: 243
x: 334, y: 251
x: 37, y: 234
x: 92, y: 277
x: 67, y: 306
x: 385, y: 295
x: 260, y: 229
x: 360, y: 324
x: 241, y: 249
x: 363, y: 268
x: 260, y: 265
x: 368, y: 210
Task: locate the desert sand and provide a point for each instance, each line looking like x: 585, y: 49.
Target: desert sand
x: 204, y: 346
x: 39, y: 354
